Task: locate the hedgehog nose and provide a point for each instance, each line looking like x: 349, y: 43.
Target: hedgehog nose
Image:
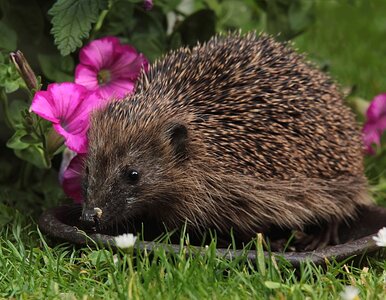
x: 90, y: 217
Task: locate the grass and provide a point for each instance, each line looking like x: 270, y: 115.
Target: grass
x: 29, y: 268
x: 348, y: 38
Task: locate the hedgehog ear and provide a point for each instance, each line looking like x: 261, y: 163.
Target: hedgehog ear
x: 178, y: 134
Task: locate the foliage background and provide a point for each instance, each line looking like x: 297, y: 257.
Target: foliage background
x: 344, y: 37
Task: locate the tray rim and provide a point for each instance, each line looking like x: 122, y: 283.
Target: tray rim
x: 49, y: 224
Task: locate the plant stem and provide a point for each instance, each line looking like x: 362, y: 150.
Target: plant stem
x: 42, y: 137
x: 101, y: 19
x: 4, y: 105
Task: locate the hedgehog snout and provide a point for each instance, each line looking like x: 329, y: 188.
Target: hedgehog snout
x: 90, y: 217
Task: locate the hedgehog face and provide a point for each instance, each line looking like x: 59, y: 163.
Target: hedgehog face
x: 129, y: 177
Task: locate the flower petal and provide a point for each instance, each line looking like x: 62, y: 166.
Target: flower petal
x: 122, y: 62
x: 76, y: 142
x: 370, y: 137
x: 44, y: 106
x: 77, y: 125
x: 117, y: 89
x: 99, y: 53
x: 66, y: 96
x: 375, y: 123
x: 126, y: 240
x: 79, y: 120
x: 128, y: 65
x: 380, y: 238
x: 70, y: 175
x: 376, y: 108
x: 148, y: 4
x: 87, y: 77
x: 350, y: 293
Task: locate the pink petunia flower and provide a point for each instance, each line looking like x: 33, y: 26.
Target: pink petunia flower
x: 109, y: 67
x: 70, y: 174
x: 375, y: 123
x: 148, y: 4
x: 68, y: 106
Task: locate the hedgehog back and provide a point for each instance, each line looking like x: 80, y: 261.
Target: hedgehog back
x: 257, y: 105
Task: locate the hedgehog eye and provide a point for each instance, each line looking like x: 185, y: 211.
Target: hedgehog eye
x: 132, y: 175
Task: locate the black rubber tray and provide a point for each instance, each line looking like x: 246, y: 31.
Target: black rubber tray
x: 58, y: 223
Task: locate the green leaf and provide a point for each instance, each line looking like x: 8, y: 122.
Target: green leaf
x: 231, y: 10
x: 301, y: 15
x: 99, y: 256
x: 168, y: 5
x: 8, y: 37
x: 11, y: 86
x: 72, y: 20
x: 28, y: 147
x: 26, y: 18
x: 10, y: 79
x: 150, y: 45
x: 15, y: 141
x: 277, y: 19
x: 56, y: 67
x: 29, y: 139
x: 16, y: 107
x: 119, y: 21
x: 262, y: 4
x: 272, y: 284
x: 148, y: 33
x: 260, y: 255
x: 175, y: 41
x: 198, y: 27
x: 48, y: 186
x: 17, y: 199
x: 287, y: 17
x: 34, y: 154
x: 307, y: 288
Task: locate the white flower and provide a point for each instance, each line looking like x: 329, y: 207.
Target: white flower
x: 115, y: 259
x: 350, y: 293
x: 125, y: 240
x: 380, y: 238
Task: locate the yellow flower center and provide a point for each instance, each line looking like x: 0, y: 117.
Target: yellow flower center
x: 104, y: 76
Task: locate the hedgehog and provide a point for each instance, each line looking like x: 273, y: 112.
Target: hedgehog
x: 239, y: 134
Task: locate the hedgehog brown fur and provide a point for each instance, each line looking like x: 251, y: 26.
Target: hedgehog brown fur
x: 240, y: 132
